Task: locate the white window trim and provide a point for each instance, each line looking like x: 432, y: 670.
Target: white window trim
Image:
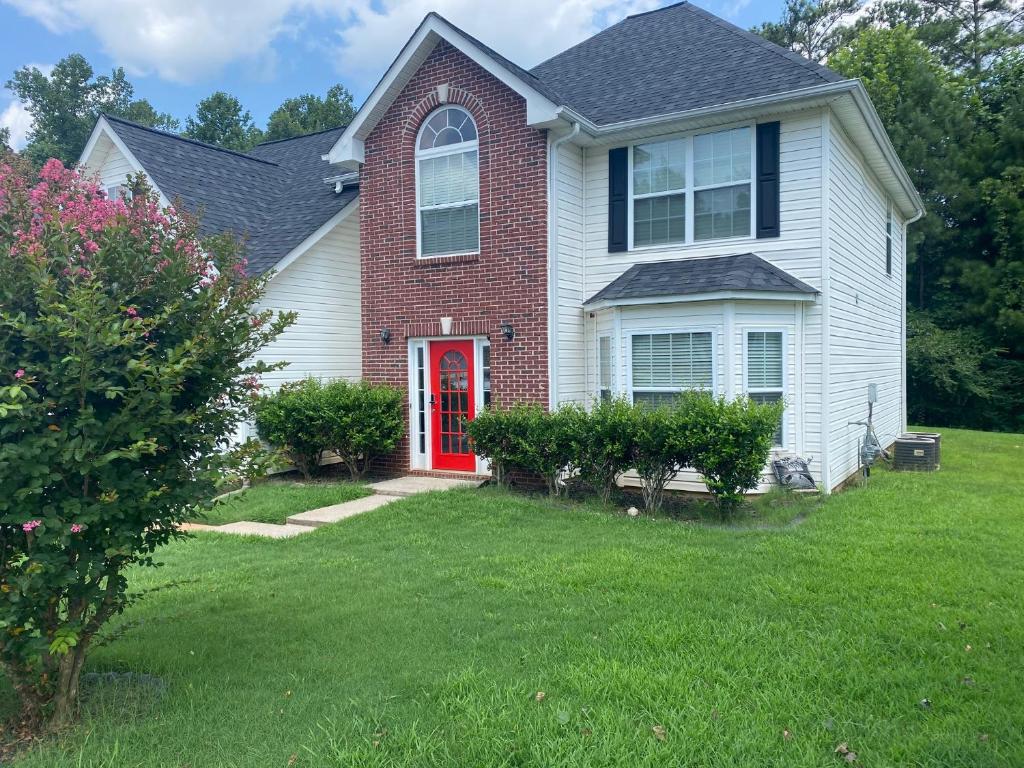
x: 787, y: 397
x: 691, y: 189
x: 451, y: 149
x: 611, y: 364
x: 628, y: 354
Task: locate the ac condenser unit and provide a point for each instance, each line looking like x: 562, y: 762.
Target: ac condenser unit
x: 915, y: 454
x: 933, y: 436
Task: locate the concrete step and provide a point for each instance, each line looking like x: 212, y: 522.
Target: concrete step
x: 260, y: 529
x: 407, y: 485
x: 314, y: 518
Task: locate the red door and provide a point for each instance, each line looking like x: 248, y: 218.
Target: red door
x: 452, y: 404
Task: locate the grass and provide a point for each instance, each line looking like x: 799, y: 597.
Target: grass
x: 419, y: 634
x: 273, y: 501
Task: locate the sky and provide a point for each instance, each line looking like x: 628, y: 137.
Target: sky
x: 176, y: 52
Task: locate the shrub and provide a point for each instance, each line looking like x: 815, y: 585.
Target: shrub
x: 361, y: 422
x: 126, y: 363
x: 729, y: 441
x: 657, y: 452
x: 496, y: 435
x: 604, y: 443
x: 293, y: 420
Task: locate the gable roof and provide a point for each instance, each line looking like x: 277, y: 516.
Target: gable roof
x: 673, y: 59
x: 744, y: 273
x: 274, y: 196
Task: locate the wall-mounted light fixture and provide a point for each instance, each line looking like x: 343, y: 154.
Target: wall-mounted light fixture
x: 385, y: 335
x: 508, y: 331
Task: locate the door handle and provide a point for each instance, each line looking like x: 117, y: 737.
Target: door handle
x: 433, y: 403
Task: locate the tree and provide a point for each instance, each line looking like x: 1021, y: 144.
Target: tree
x: 309, y: 113
x: 126, y: 362
x: 65, y: 104
x: 967, y: 35
x: 221, y: 121
x: 813, y: 28
x: 5, y: 140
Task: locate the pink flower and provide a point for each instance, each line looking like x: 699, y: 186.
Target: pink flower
x: 20, y: 373
x: 76, y: 528
x: 132, y: 312
x: 90, y: 246
x: 31, y: 525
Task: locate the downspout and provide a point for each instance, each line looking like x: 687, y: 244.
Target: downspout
x: 553, y: 263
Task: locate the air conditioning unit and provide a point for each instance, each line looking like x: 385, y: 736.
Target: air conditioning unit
x: 915, y: 454
x: 933, y: 436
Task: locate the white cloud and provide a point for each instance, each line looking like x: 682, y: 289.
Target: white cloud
x: 526, y: 31
x: 182, y: 40
x: 17, y: 118
x: 189, y: 40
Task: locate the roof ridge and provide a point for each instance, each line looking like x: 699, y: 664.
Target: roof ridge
x: 170, y: 135
x: 784, y: 53
x: 302, y: 136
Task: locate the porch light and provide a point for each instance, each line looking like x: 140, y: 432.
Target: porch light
x: 385, y: 335
x: 508, y: 331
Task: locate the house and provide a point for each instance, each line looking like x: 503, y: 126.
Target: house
x: 673, y: 203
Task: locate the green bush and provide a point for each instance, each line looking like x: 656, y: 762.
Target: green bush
x: 496, y: 435
x: 729, y: 442
x: 657, y: 451
x: 361, y: 422
x: 127, y: 360
x: 604, y: 443
x: 293, y: 420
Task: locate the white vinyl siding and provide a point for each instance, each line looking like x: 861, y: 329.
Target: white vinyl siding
x: 865, y: 308
x: 798, y: 251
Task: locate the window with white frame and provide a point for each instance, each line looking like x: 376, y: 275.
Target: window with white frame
x: 448, y: 184
x: 117, y: 191
x: 888, y: 239
x: 765, y: 371
x: 604, y: 367
x: 665, y: 364
x: 693, y: 188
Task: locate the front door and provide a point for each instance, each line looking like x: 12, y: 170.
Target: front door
x: 452, y: 404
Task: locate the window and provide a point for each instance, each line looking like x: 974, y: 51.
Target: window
x: 604, y: 367
x: 765, y: 378
x: 713, y: 170
x: 448, y: 185
x: 421, y: 400
x: 888, y: 240
x: 665, y: 364
x: 117, y: 191
x: 485, y: 364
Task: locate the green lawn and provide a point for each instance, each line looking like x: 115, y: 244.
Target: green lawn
x: 273, y: 501
x: 420, y: 633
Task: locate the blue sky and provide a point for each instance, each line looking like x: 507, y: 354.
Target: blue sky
x: 264, y: 51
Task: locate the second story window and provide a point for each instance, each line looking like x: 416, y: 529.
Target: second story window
x: 448, y: 184
x: 693, y: 188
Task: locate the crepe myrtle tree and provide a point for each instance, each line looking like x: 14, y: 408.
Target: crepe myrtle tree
x: 126, y: 361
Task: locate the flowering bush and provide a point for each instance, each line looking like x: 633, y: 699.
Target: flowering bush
x: 125, y: 364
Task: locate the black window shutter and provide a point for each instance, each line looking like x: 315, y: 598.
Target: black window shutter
x: 768, y: 179
x: 618, y: 204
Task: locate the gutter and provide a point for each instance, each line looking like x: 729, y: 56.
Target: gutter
x: 553, y: 262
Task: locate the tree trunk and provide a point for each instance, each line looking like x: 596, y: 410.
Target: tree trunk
x: 65, y: 701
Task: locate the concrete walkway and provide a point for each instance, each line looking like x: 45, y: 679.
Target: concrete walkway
x: 384, y: 492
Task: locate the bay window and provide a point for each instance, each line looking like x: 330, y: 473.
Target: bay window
x: 448, y: 184
x: 685, y: 190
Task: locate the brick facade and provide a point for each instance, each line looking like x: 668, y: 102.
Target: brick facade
x: 505, y: 282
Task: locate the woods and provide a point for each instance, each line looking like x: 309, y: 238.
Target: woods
x: 947, y: 79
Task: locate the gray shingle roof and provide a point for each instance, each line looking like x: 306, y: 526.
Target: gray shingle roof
x: 742, y: 272
x: 274, y: 196
x: 670, y: 60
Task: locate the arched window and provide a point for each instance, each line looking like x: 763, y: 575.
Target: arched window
x: 448, y: 184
